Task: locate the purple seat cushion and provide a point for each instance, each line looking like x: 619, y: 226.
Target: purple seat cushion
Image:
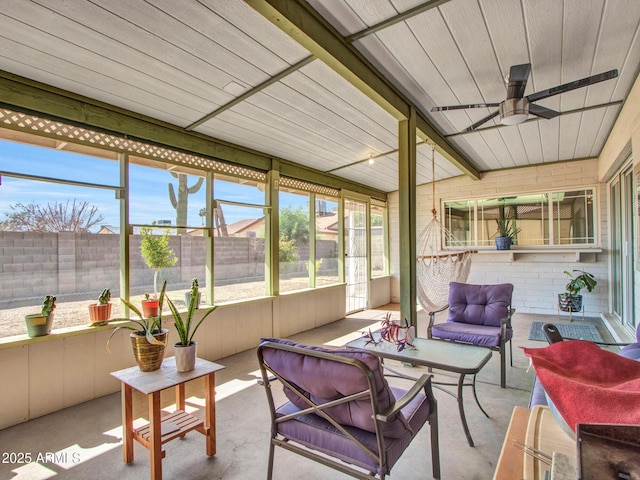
x: 631, y: 351
x: 469, y: 333
x: 317, y: 433
x: 479, y: 304
x: 325, y: 380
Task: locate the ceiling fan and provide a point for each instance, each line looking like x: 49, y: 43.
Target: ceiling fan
x: 516, y: 108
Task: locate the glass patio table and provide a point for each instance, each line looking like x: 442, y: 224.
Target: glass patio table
x: 441, y: 355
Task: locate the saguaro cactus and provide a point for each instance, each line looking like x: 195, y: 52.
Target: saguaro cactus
x: 181, y: 202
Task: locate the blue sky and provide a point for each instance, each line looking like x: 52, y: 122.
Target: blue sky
x: 149, y: 193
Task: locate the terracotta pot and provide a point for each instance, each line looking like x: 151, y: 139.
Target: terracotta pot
x: 149, y: 356
x: 150, y: 308
x: 38, y: 325
x: 185, y: 356
x: 99, y: 314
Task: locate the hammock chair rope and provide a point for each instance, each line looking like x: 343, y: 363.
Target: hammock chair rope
x: 437, y: 267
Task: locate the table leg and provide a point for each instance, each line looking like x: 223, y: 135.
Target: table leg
x: 155, y: 434
x: 127, y: 422
x: 210, y: 412
x: 463, y: 418
x: 475, y: 395
x: 180, y: 403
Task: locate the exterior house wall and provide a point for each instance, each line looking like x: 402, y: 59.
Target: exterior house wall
x: 537, y: 278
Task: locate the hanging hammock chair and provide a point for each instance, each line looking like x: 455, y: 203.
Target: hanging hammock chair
x: 436, y: 266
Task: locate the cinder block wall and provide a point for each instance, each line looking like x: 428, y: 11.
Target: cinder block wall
x: 537, y: 278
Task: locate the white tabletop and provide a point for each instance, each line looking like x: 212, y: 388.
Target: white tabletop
x: 167, y: 376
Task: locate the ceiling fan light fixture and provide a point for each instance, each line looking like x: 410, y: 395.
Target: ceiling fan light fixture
x: 514, y: 111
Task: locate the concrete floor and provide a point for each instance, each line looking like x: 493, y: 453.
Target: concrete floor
x: 91, y: 432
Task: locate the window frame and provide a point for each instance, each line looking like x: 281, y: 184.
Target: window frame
x: 548, y: 241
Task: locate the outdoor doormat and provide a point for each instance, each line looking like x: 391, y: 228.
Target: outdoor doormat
x: 579, y: 331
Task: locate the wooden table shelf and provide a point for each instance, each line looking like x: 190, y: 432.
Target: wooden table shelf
x: 163, y: 429
x: 185, y: 422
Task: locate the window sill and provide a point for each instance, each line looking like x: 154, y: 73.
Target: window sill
x: 578, y: 255
x: 56, y: 334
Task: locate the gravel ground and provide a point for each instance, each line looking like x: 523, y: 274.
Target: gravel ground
x: 71, y: 314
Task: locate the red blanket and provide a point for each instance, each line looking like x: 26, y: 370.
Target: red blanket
x: 588, y: 384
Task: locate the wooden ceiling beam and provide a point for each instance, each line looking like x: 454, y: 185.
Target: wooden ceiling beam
x: 305, y: 25
x: 412, y: 12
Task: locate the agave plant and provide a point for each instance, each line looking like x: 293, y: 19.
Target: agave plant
x: 146, y: 326
x: 183, y: 327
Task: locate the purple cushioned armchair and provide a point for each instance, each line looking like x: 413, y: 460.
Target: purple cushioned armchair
x: 479, y: 315
x: 341, y: 410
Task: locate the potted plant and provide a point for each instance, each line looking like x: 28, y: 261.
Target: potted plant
x: 156, y: 253
x: 571, y: 300
x: 187, y: 294
x: 39, y: 324
x: 507, y: 231
x: 149, y: 306
x: 100, y: 312
x: 185, y: 349
x: 148, y: 339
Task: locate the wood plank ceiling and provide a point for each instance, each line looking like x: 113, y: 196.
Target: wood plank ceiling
x: 221, y: 69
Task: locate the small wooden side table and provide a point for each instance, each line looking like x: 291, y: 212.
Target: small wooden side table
x: 160, y: 429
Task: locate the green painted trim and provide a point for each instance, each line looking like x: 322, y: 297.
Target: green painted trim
x: 123, y: 196
x: 209, y: 241
x: 272, y: 233
x: 22, y: 94
x: 407, y: 219
x: 311, y: 263
x: 39, y: 98
x: 341, y: 247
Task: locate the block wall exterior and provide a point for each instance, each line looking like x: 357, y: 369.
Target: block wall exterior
x: 34, y: 264
x: 537, y: 278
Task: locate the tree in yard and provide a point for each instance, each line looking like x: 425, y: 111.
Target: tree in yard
x: 156, y: 253
x: 294, y: 231
x: 181, y: 202
x: 78, y: 217
x: 294, y: 224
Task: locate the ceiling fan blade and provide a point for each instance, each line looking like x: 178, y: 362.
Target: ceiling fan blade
x: 462, y: 107
x: 481, y: 121
x: 584, y: 82
x: 518, y: 76
x: 543, y: 112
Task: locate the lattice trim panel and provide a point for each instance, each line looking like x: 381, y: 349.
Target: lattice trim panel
x: 71, y: 133
x: 308, y: 186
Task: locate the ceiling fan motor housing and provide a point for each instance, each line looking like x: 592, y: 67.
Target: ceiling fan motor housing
x: 514, y: 111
